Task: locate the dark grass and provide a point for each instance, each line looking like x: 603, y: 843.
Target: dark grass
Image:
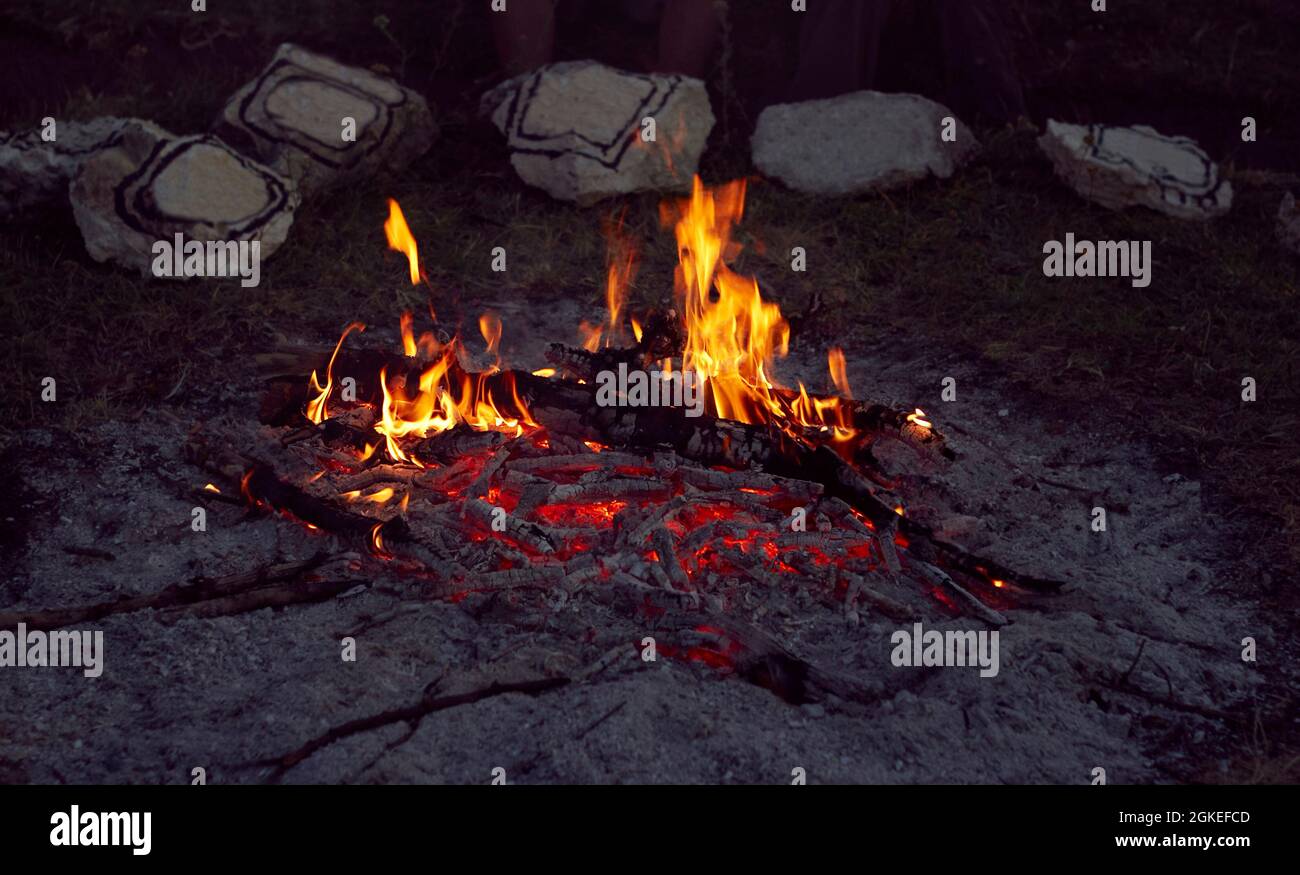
x: 956, y: 264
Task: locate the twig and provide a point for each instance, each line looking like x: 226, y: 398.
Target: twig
x: 608, y: 714
x: 416, y: 712
x: 196, y: 591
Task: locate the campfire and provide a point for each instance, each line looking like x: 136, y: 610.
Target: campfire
x: 596, y: 476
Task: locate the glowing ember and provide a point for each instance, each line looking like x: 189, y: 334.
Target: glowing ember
x: 724, y: 522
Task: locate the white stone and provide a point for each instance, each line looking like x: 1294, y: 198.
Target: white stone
x: 34, y: 174
x: 1288, y: 224
x: 1119, y: 167
x: 864, y: 141
x: 151, y: 186
x: 575, y: 129
x: 292, y: 118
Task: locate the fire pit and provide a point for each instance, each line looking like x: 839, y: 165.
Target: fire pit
x: 659, y: 468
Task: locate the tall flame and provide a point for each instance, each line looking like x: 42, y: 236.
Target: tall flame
x: 620, y: 271
x: 316, y: 411
x: 401, y: 239
x: 732, y: 334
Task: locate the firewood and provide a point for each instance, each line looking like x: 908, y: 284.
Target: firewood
x: 198, y: 590
x: 414, y: 713
x: 566, y: 407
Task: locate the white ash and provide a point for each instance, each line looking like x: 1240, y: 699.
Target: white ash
x: 222, y: 692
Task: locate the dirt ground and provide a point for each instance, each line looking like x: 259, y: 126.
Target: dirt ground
x: 1069, y: 398
x: 230, y: 693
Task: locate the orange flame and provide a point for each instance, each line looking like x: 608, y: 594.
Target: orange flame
x: 839, y: 371
x: 622, y: 264
x: 732, y: 334
x: 489, y: 325
x: 447, y: 395
x: 401, y: 239
x: 316, y: 411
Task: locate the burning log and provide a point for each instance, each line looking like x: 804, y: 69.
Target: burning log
x: 260, y: 485
x: 456, y: 443
x: 569, y: 408
x: 529, y: 534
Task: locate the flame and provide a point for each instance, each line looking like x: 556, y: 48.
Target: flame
x: 839, y: 371
x: 621, y: 268
x: 380, y: 496
x: 447, y: 395
x: 211, y: 487
x: 377, y: 541
x: 316, y: 406
x: 489, y: 325
x: 732, y: 334
x: 401, y: 239
x: 918, y: 418
x: 408, y: 337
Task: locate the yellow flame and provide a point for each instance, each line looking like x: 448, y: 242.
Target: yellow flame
x: 732, y: 334
x: 401, y: 239
x: 316, y: 411
x: 447, y: 395
x: 380, y: 496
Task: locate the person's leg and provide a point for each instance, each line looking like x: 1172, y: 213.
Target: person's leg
x: 524, y: 35
x: 688, y: 34
x: 839, y: 47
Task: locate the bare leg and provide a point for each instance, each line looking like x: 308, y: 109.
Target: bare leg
x: 688, y: 32
x: 524, y: 35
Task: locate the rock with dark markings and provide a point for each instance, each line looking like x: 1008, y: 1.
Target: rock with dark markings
x: 35, y: 171
x: 152, y: 185
x: 294, y: 118
x: 1120, y: 167
x: 582, y: 131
